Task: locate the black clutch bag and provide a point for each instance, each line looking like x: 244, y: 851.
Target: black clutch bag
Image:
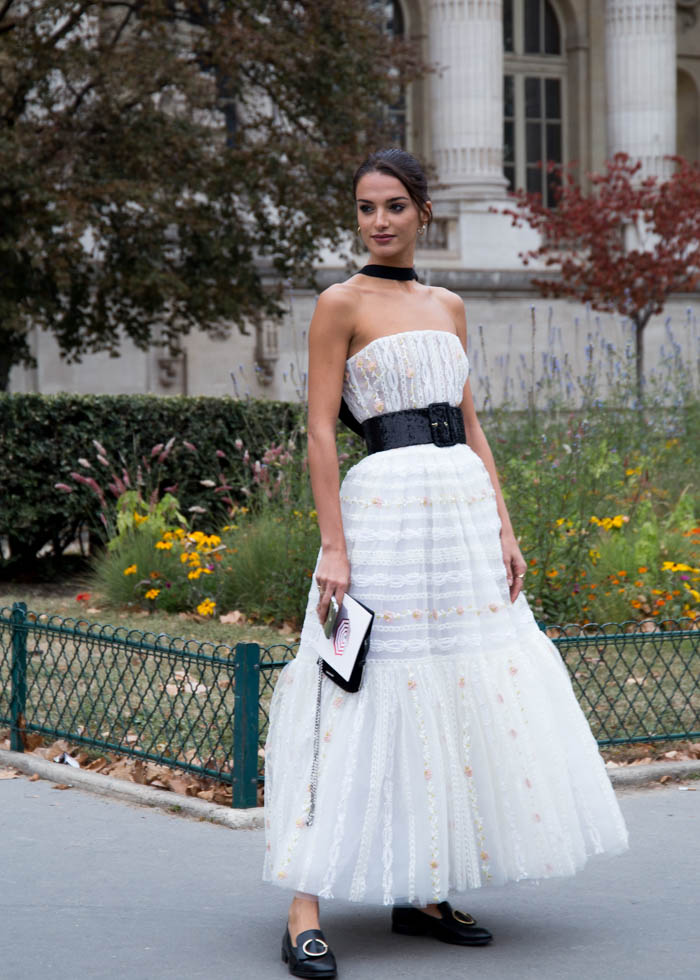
x: 344, y: 653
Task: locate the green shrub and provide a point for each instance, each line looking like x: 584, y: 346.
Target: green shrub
x: 43, y: 437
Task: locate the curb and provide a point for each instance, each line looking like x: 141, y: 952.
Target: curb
x: 634, y: 776
x: 120, y: 789
x: 624, y: 777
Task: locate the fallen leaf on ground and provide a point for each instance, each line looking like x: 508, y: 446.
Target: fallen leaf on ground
x: 8, y: 774
x: 61, y: 786
x: 234, y: 618
x: 33, y: 778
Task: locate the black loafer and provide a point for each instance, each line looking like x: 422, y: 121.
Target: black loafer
x: 452, y: 926
x: 311, y: 957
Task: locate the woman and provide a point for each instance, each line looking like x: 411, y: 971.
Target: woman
x: 464, y: 758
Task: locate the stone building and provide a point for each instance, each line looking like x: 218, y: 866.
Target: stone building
x: 519, y: 81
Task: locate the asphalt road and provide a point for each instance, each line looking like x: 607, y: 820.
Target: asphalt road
x: 95, y: 888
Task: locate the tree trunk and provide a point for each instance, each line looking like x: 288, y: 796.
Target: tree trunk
x: 5, y: 365
x: 640, y: 321
x: 14, y: 349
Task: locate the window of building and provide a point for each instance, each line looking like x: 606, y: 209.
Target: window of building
x: 396, y: 25
x: 534, y: 90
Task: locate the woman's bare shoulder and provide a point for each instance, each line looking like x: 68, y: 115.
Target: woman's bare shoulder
x: 452, y: 301
x: 339, y: 297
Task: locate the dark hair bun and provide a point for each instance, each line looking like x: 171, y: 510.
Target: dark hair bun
x: 402, y: 165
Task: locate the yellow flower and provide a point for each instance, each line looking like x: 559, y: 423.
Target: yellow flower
x: 206, y: 607
x: 167, y: 536
x: 139, y: 518
x: 164, y: 545
x: 184, y: 557
x: 552, y: 573
x: 560, y: 521
x: 152, y: 593
x: 195, y: 573
x: 131, y: 570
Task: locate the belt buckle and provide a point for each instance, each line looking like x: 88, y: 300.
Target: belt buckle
x: 441, y: 428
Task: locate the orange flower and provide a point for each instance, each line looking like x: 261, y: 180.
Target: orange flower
x: 642, y: 569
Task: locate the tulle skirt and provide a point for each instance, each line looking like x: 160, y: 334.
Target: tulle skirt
x: 464, y: 759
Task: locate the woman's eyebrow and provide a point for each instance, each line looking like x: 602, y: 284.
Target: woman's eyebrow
x: 365, y: 200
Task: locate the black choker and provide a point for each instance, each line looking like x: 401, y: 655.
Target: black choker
x: 389, y: 272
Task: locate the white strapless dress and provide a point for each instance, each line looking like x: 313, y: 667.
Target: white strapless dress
x: 464, y: 759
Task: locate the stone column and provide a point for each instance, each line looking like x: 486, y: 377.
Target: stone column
x: 640, y: 61
x: 466, y: 45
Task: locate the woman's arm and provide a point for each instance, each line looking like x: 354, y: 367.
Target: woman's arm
x: 329, y: 338
x: 476, y: 440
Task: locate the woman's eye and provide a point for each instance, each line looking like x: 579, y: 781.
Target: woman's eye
x: 365, y: 208
x: 397, y: 207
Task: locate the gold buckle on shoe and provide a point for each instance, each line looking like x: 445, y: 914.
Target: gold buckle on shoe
x: 463, y: 917
x: 314, y: 939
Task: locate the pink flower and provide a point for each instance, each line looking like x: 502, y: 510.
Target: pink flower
x: 512, y: 670
x: 468, y: 771
x: 412, y: 685
x: 417, y: 614
x: 428, y: 774
x: 513, y: 733
x: 460, y: 610
x: 499, y: 698
x: 538, y: 818
x: 63, y: 486
x: 528, y: 783
x: 461, y: 682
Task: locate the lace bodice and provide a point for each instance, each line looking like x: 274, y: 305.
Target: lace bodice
x: 410, y: 369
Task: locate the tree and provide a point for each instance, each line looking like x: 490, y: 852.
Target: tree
x: 625, y: 246
x: 169, y: 163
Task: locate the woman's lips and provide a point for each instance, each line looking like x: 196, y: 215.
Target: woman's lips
x: 383, y: 238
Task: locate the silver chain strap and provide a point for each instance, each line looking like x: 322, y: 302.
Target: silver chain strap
x: 317, y: 742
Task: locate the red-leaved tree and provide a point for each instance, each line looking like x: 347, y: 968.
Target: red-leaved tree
x: 623, y: 247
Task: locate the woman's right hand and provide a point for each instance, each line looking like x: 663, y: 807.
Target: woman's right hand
x: 332, y: 578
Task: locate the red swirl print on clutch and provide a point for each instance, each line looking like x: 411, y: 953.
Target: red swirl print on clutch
x: 341, y: 633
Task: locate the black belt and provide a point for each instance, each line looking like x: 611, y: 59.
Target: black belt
x: 439, y: 423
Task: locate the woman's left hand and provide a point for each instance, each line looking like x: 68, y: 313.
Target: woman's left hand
x: 514, y: 563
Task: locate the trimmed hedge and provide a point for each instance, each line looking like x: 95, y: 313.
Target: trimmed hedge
x: 43, y: 436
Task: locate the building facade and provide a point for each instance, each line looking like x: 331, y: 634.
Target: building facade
x: 516, y: 82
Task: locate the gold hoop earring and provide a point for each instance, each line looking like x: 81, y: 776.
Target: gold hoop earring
x: 421, y: 229
x: 358, y: 229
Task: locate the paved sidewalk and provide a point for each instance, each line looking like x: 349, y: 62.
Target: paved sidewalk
x: 96, y: 888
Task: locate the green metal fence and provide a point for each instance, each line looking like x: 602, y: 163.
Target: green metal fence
x: 203, y: 707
